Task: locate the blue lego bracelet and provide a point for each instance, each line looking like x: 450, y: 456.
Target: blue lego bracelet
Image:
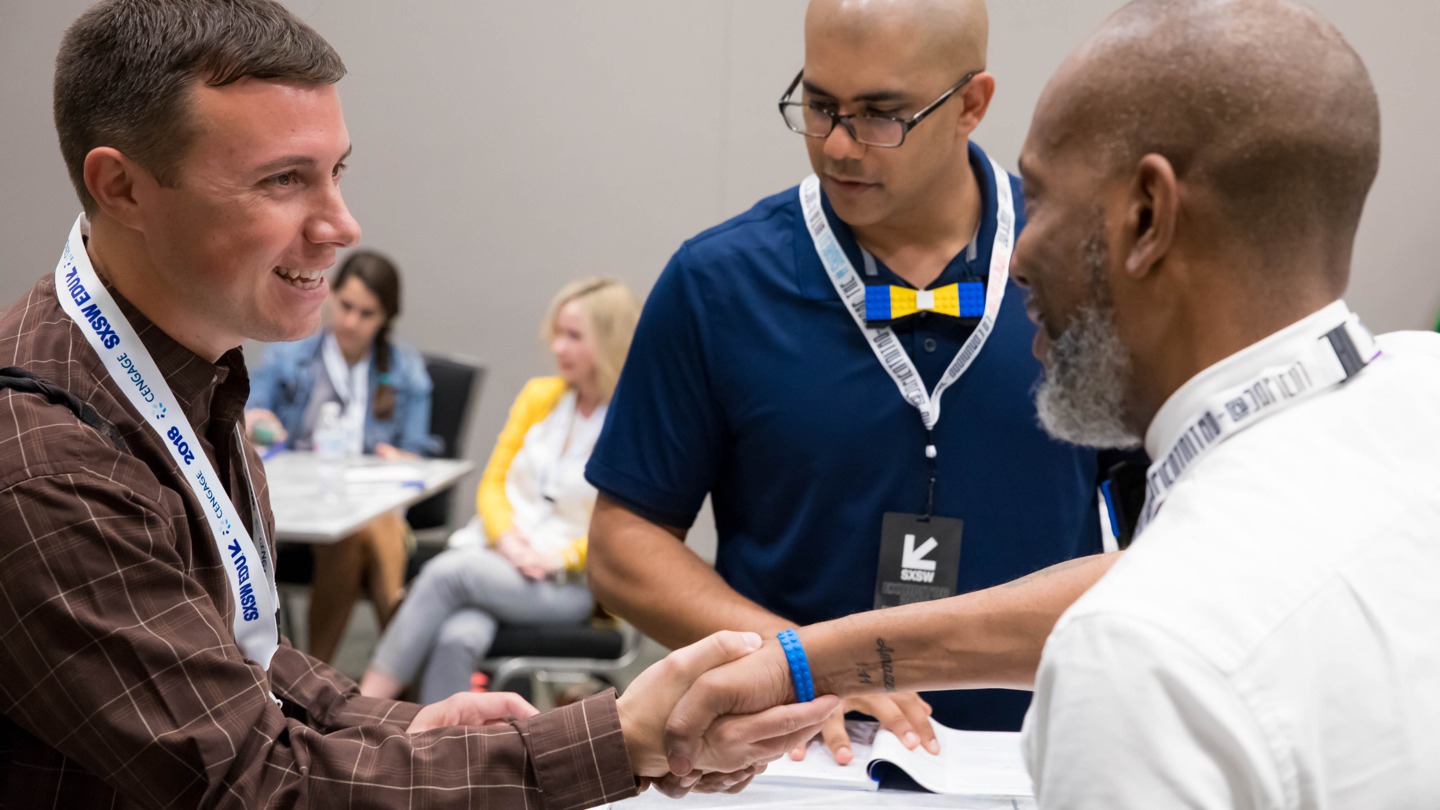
x: 799, y: 665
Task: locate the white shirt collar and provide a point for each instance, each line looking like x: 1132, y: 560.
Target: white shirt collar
x: 1173, y: 417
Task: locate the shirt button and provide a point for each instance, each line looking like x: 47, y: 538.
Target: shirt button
x: 929, y: 345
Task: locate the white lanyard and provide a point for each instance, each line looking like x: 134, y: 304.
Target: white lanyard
x: 1335, y: 357
x: 882, y: 339
x: 129, y: 364
x: 352, y: 387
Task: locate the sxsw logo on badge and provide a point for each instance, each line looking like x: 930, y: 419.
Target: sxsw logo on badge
x: 914, y: 566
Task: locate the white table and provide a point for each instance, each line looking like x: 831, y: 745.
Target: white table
x: 372, y: 488
x: 973, y: 763
x: 778, y: 796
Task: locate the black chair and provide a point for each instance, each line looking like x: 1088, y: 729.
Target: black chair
x: 457, y: 382
x: 546, y: 655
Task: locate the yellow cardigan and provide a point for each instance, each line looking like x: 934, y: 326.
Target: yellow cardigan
x: 537, y: 399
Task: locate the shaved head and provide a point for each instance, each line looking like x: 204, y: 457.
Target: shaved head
x: 949, y: 34
x: 892, y: 59
x: 1261, y: 104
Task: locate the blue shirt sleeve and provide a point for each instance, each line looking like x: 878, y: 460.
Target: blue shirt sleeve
x: 658, y: 452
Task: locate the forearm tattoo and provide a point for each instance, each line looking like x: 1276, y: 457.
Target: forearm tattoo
x: 884, y: 665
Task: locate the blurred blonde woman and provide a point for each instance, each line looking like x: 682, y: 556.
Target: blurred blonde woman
x: 522, y: 560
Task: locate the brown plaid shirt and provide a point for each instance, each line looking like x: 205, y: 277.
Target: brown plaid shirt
x: 120, y: 682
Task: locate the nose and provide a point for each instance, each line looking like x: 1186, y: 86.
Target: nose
x: 332, y: 223
x: 839, y: 145
x: 1018, y: 272
x: 349, y: 320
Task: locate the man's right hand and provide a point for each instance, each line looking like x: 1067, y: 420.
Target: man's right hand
x: 754, y: 682
x: 727, y: 745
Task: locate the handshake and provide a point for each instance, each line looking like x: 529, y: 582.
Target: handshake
x: 709, y: 716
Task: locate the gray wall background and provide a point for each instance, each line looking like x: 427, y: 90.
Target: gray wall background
x: 505, y: 147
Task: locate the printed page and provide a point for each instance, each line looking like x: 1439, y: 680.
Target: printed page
x: 970, y: 763
x: 818, y: 768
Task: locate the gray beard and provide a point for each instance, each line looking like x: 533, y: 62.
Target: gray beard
x: 1081, y: 398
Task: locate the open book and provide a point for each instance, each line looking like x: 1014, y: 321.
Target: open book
x: 970, y: 763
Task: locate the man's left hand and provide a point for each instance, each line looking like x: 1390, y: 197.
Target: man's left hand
x: 471, y: 709
x: 906, y: 714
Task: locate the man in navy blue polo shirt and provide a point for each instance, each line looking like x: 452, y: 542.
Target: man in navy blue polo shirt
x: 758, y: 376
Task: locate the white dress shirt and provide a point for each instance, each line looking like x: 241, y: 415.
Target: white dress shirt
x: 1272, y: 639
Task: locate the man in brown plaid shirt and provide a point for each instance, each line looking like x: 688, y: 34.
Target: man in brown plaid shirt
x: 206, y: 142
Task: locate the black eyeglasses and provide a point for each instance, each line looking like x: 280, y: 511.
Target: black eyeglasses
x: 814, y: 121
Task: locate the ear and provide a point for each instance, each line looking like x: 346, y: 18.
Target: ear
x: 975, y: 100
x: 1152, y: 217
x: 115, y: 182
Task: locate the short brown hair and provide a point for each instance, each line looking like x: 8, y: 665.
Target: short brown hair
x: 125, y: 68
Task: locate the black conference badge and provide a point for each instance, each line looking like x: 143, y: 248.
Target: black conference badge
x: 919, y: 559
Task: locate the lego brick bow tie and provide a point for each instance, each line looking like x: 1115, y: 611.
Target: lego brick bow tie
x: 885, y: 303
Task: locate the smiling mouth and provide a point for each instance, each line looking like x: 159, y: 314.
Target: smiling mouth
x: 301, y: 279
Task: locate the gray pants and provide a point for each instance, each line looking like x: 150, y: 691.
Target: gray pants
x: 448, y: 620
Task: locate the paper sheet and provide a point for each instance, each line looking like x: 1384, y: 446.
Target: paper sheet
x: 970, y: 763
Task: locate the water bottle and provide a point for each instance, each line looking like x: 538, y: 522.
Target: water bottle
x: 330, y: 452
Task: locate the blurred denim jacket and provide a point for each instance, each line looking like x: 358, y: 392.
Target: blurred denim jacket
x: 285, y: 378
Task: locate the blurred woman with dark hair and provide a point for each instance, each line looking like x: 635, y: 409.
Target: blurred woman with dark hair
x: 383, y: 392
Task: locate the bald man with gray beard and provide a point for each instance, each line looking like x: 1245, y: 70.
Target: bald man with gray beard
x: 1269, y: 641
x: 1196, y: 173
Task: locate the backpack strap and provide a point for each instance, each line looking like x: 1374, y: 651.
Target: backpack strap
x: 18, y: 379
